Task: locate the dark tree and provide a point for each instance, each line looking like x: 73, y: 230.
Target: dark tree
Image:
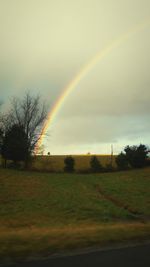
x: 69, y: 164
x: 136, y: 155
x: 133, y: 156
x: 15, y: 144
x: 95, y: 164
x: 29, y: 113
x: 122, y: 162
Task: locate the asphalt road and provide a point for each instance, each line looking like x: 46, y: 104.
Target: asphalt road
x: 138, y: 256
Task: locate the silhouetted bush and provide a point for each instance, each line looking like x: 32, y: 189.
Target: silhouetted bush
x: 133, y: 156
x: 69, y: 164
x: 122, y: 162
x: 136, y: 155
x: 95, y: 165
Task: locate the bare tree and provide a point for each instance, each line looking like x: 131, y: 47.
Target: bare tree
x: 30, y: 113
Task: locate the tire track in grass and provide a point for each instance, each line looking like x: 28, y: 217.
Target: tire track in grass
x: 135, y: 214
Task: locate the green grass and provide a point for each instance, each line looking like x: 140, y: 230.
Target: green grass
x: 131, y: 188
x: 41, y: 213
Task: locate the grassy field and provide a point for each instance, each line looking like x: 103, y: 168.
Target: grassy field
x: 56, y: 163
x: 44, y: 213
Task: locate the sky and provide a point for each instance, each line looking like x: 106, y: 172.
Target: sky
x: 45, y: 43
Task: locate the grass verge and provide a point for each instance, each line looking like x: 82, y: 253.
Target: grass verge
x: 26, y: 244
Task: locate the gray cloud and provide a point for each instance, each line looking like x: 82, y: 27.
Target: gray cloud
x: 98, y: 129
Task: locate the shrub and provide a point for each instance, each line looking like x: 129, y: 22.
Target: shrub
x: 122, y: 162
x: 133, y: 156
x: 69, y: 164
x: 95, y: 164
x: 136, y: 155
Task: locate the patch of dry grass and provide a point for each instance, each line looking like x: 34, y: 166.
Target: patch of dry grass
x: 26, y: 243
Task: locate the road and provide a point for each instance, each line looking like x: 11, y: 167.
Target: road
x: 138, y: 256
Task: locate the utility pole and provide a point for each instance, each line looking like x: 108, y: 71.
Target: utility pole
x: 111, y: 157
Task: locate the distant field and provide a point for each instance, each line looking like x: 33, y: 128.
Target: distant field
x: 56, y: 163
x: 43, y: 213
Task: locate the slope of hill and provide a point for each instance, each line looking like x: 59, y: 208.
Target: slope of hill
x: 41, y: 213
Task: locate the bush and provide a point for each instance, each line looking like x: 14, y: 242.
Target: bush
x: 133, y: 156
x: 95, y: 164
x: 122, y: 162
x: 69, y: 164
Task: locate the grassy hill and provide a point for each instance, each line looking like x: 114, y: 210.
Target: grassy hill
x: 42, y: 213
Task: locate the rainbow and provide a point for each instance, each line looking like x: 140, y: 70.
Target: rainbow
x: 83, y: 72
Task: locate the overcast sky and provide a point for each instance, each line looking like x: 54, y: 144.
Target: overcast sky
x: 44, y: 43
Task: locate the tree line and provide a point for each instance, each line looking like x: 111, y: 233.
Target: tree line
x: 131, y: 157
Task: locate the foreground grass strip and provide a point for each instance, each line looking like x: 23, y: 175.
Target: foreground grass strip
x: 27, y: 243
